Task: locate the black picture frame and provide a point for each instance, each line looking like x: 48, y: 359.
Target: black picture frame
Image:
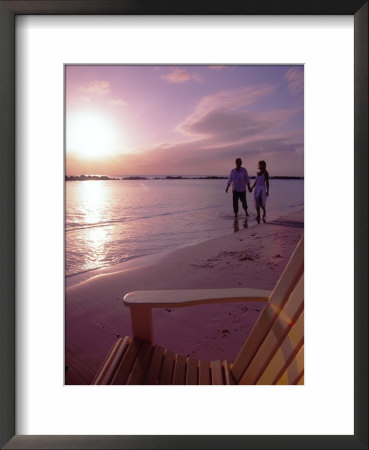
x: 8, y: 11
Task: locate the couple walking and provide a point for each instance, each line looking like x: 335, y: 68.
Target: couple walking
x: 239, y: 179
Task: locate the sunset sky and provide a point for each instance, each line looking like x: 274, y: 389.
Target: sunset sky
x: 183, y: 120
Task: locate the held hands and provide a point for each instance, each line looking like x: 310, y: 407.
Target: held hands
x: 250, y: 189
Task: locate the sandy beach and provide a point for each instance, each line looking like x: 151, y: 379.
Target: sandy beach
x: 252, y: 257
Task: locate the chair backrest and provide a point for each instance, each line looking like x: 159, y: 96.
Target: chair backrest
x: 273, y: 352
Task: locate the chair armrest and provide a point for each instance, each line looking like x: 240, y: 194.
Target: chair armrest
x: 141, y: 303
x: 192, y: 297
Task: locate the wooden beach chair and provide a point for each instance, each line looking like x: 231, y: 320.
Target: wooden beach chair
x: 273, y: 353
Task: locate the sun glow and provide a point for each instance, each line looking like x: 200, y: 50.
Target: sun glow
x: 92, y: 134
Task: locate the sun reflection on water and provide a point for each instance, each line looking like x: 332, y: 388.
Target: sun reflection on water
x: 93, y: 204
x: 93, y: 201
x: 96, y: 240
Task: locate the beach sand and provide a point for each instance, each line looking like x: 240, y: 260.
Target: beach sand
x: 253, y: 257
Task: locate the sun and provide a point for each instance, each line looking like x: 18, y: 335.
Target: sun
x: 92, y: 134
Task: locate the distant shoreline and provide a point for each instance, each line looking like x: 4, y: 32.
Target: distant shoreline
x: 168, y: 177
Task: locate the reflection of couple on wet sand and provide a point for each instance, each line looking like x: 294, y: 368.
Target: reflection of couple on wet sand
x: 236, y: 225
x: 239, y: 179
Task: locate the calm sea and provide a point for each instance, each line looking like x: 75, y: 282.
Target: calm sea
x: 113, y: 222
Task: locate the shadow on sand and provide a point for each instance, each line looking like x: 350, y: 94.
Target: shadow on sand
x: 287, y: 223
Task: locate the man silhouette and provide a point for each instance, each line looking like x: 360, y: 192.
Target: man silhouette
x: 239, y: 178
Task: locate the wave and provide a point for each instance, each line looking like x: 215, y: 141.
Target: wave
x: 79, y: 226
x: 105, y: 266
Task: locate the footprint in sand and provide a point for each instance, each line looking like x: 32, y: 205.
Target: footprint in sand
x: 246, y: 258
x: 226, y: 333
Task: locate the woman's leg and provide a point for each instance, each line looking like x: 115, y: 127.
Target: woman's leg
x: 262, y: 202
x: 257, y: 203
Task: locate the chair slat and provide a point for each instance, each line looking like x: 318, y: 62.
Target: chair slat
x: 290, y: 276
x: 142, y: 361
x: 285, y: 354
x: 179, y: 374
x: 204, y: 372
x: 228, y: 379
x: 301, y: 380
x: 216, y: 372
x: 294, y: 372
x: 253, y: 341
x: 166, y: 372
x: 153, y: 370
x: 285, y: 285
x: 111, y: 362
x: 192, y: 376
x: 127, y: 362
x: 276, y: 334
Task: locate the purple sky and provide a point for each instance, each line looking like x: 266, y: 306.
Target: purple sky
x: 184, y: 120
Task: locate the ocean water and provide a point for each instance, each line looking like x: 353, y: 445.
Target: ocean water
x: 109, y: 223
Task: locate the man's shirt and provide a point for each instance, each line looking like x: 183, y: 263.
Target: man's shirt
x: 239, y: 179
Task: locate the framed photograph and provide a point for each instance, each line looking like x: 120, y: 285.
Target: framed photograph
x: 149, y: 210
x: 200, y: 79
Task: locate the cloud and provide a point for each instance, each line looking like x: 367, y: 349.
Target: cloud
x: 178, y: 75
x: 295, y: 78
x: 222, y: 102
x: 222, y: 127
x: 85, y: 99
x: 283, y: 152
x: 117, y: 102
x: 96, y: 87
x: 219, y: 112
